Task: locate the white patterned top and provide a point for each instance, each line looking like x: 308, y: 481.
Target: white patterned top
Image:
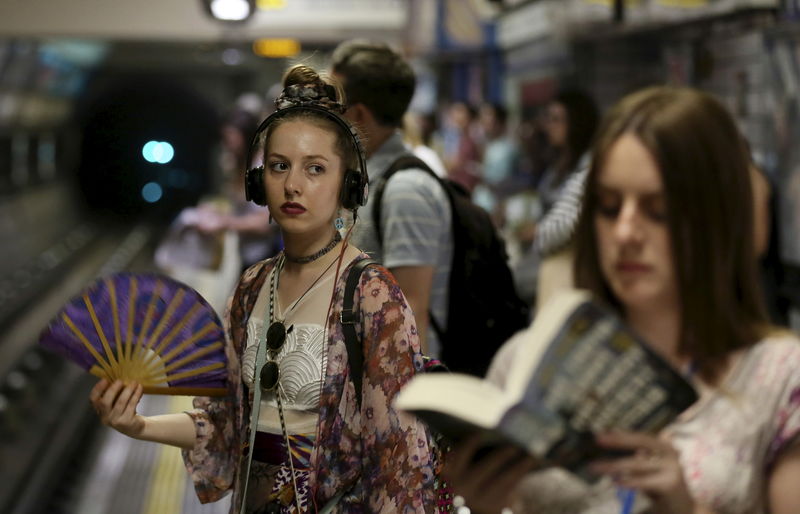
x: 301, y: 360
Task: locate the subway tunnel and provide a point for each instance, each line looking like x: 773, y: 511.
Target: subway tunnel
x: 85, y: 87
x: 119, y: 121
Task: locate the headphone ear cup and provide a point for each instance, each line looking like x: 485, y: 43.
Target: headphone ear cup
x: 254, y: 186
x: 353, y: 190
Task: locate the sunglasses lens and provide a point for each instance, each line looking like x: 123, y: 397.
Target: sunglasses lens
x: 269, y: 375
x: 276, y: 335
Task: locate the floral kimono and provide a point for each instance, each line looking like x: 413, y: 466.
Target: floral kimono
x: 380, y: 457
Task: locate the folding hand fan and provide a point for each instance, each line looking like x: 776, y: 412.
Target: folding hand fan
x: 145, y: 328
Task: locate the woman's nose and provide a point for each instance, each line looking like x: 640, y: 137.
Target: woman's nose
x: 628, y: 227
x: 291, y: 184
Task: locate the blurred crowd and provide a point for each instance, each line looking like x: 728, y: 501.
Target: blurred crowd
x: 515, y: 169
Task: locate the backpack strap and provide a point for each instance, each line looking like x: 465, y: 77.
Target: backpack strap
x: 355, y: 352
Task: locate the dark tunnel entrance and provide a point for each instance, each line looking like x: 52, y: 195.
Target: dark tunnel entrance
x: 118, y: 174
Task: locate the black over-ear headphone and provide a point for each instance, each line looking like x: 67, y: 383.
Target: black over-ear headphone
x: 355, y: 185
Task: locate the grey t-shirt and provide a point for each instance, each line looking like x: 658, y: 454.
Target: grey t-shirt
x: 415, y: 220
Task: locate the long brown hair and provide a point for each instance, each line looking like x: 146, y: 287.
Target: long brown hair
x: 704, y: 170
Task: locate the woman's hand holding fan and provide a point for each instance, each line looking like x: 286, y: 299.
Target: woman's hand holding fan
x: 146, y: 329
x: 115, y: 404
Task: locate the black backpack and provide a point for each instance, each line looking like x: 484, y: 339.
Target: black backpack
x: 484, y: 308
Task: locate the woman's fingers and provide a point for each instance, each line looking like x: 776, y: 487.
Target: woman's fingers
x: 115, y: 401
x: 96, y: 394
x: 634, y: 442
x: 654, y: 468
x: 110, y: 394
x: 98, y: 390
x: 121, y: 401
x: 637, y: 464
x: 133, y: 401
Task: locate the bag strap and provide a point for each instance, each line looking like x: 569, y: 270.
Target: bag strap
x: 355, y: 352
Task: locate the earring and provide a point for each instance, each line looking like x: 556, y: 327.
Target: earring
x: 338, y: 223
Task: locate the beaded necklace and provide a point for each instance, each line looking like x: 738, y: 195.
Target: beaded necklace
x: 273, y: 294
x: 310, y: 258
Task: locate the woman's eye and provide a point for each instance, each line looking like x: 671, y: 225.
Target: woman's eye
x: 608, y: 207
x: 656, y: 211
x: 278, y: 166
x: 316, y: 169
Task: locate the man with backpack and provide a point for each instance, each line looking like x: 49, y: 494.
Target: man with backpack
x: 408, y: 221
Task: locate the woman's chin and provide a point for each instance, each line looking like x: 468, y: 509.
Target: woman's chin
x: 638, y: 295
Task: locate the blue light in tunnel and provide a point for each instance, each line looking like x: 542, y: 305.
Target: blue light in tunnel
x: 151, y: 192
x: 163, y: 153
x: 158, y: 151
x: 147, y: 151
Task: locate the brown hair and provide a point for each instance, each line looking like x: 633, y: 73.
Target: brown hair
x: 583, y: 117
x: 376, y: 76
x: 303, y: 75
x: 704, y: 170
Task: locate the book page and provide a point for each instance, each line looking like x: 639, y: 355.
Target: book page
x: 472, y: 400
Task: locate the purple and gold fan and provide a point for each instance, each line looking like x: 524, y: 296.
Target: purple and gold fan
x: 145, y: 328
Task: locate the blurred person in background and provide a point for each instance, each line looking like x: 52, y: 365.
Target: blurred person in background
x: 570, y: 122
x: 414, y: 237
x: 258, y: 239
x: 666, y: 158
x: 418, y: 139
x: 463, y: 160
x: 500, y: 160
x: 209, y: 245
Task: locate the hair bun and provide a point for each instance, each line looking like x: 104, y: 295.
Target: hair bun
x: 317, y: 95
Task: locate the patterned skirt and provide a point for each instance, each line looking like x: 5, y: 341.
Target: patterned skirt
x: 271, y: 489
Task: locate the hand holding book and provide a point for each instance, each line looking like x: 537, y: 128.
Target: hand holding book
x: 579, y: 371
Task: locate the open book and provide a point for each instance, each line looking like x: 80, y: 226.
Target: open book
x: 577, y: 370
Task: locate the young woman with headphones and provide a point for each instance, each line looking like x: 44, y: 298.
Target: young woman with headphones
x: 292, y: 436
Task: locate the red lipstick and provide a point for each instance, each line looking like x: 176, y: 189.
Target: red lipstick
x: 632, y: 267
x: 292, y: 208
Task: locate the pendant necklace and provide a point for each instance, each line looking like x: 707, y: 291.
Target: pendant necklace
x: 273, y: 297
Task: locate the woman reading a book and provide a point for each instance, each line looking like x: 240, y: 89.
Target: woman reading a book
x: 292, y: 436
x: 666, y: 239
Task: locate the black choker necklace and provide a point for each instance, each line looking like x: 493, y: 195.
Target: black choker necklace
x: 309, y: 258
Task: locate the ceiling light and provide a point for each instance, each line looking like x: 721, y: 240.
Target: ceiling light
x: 230, y: 10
